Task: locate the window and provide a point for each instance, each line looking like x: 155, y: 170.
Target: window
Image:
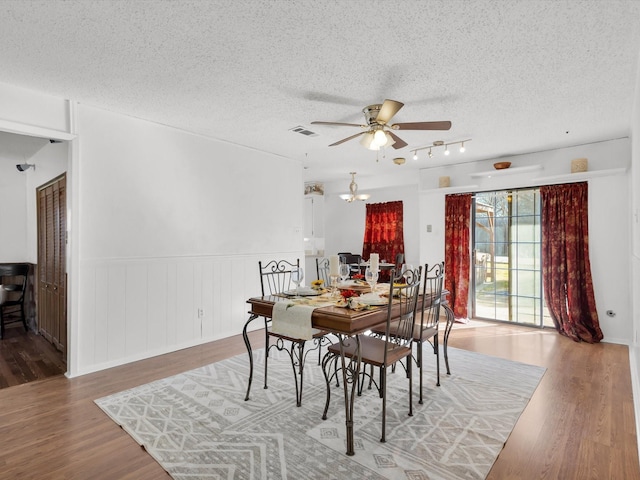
x: 507, y: 280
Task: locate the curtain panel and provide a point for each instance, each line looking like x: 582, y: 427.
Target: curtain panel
x: 457, y: 257
x: 566, y: 270
x: 384, y: 231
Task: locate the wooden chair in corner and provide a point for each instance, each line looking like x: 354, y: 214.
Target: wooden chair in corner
x: 13, y: 281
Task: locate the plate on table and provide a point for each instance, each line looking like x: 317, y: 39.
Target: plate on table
x: 357, y: 285
x: 372, y: 300
x: 303, y: 292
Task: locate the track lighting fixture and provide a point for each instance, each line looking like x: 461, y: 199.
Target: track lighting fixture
x: 440, y: 143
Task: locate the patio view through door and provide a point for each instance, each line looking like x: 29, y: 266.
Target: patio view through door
x: 507, y: 279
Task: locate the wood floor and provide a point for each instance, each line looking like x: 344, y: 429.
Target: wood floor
x: 578, y: 425
x: 26, y: 357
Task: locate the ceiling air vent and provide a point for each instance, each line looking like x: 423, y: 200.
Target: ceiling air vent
x: 304, y: 131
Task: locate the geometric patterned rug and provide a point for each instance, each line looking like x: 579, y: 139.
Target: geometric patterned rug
x: 198, y: 426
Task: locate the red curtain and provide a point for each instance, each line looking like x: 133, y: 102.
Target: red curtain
x: 457, y: 259
x: 566, y: 270
x: 383, y: 231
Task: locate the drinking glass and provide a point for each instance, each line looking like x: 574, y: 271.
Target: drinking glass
x: 297, y: 275
x: 371, y: 276
x: 345, y: 269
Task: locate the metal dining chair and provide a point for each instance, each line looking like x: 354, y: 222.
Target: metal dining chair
x: 427, y: 327
x: 352, y: 259
x: 275, y: 278
x: 383, y: 353
x: 323, y: 270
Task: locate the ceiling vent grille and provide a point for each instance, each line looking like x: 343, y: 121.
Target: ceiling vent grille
x: 304, y: 131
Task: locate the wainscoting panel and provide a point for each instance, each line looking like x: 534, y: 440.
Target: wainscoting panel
x: 132, y: 309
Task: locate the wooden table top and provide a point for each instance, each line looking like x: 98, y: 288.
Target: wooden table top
x: 331, y: 318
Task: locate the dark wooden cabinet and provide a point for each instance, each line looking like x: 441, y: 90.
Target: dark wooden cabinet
x: 52, y: 275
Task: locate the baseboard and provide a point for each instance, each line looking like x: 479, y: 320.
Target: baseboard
x: 634, y: 359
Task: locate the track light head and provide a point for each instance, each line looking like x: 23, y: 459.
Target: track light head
x: 24, y: 166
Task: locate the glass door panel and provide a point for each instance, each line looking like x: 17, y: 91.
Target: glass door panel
x: 506, y: 239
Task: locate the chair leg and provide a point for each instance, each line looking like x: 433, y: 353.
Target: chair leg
x: 1, y: 323
x: 409, y: 372
x: 383, y: 389
x: 436, y: 350
x: 447, y: 330
x: 24, y: 318
x: 419, y: 360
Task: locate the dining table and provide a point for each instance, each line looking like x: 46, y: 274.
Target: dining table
x: 344, y: 323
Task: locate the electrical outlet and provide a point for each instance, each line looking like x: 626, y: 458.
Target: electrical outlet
x: 429, y: 228
x: 200, y: 312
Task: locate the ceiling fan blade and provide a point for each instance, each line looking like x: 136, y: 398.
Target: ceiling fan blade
x: 388, y: 110
x: 446, y: 125
x: 347, y: 139
x: 399, y: 143
x: 339, y: 123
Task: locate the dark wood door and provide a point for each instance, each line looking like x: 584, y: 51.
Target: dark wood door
x: 52, y: 275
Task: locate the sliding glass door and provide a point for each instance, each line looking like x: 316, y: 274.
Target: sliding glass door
x: 506, y: 254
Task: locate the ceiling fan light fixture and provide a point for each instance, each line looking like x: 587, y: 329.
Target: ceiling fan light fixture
x: 390, y: 140
x: 368, y: 141
x: 378, y: 121
x: 380, y: 138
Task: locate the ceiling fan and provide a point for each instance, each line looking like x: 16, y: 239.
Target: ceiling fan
x: 378, y: 132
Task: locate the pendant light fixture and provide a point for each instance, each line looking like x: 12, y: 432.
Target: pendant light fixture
x: 353, y: 191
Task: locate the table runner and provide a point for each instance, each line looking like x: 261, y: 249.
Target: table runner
x: 292, y: 318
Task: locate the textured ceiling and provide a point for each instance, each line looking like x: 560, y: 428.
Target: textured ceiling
x: 515, y: 76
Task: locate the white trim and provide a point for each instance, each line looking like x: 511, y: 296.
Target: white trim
x: 33, y: 131
x: 506, y: 171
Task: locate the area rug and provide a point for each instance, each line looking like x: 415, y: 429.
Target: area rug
x: 198, y: 426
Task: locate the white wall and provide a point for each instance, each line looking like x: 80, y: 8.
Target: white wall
x: 609, y: 213
x: 344, y: 222
x: 50, y: 161
x: 609, y: 230
x: 13, y: 213
x: 31, y: 113
x: 634, y: 277
x: 170, y: 224
x: 18, y: 204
